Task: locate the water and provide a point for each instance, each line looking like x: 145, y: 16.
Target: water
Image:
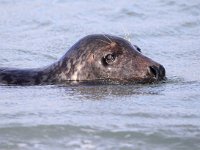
x: 159, y: 116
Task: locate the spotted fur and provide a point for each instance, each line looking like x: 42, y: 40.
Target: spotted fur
x: 87, y: 61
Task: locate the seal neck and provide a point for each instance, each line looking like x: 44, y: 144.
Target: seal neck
x: 51, y: 74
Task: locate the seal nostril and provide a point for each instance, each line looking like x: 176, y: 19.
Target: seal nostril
x: 154, y: 71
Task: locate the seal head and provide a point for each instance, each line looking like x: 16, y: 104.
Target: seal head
x: 113, y: 59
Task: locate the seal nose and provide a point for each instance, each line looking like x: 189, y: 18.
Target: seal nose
x: 157, y: 71
x: 162, y: 72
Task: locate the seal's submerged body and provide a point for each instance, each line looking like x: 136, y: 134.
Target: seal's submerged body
x: 94, y: 58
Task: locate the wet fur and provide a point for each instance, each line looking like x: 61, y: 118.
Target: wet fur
x: 80, y: 63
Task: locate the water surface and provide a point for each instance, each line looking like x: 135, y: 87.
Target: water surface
x: 158, y: 116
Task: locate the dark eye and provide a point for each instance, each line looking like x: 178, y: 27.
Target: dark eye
x: 108, y: 59
x: 137, y: 48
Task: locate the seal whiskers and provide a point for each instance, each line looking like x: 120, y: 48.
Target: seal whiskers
x: 105, y: 41
x: 107, y: 38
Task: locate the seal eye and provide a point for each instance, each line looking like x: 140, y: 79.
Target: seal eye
x: 137, y: 48
x: 108, y: 59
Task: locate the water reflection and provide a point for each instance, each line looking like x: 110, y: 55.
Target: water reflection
x: 100, y: 92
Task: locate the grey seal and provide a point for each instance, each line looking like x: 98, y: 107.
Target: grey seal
x: 94, y: 58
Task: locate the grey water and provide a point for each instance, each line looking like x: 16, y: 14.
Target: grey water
x: 143, y: 117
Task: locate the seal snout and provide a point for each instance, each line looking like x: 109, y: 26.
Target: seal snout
x: 158, y: 72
